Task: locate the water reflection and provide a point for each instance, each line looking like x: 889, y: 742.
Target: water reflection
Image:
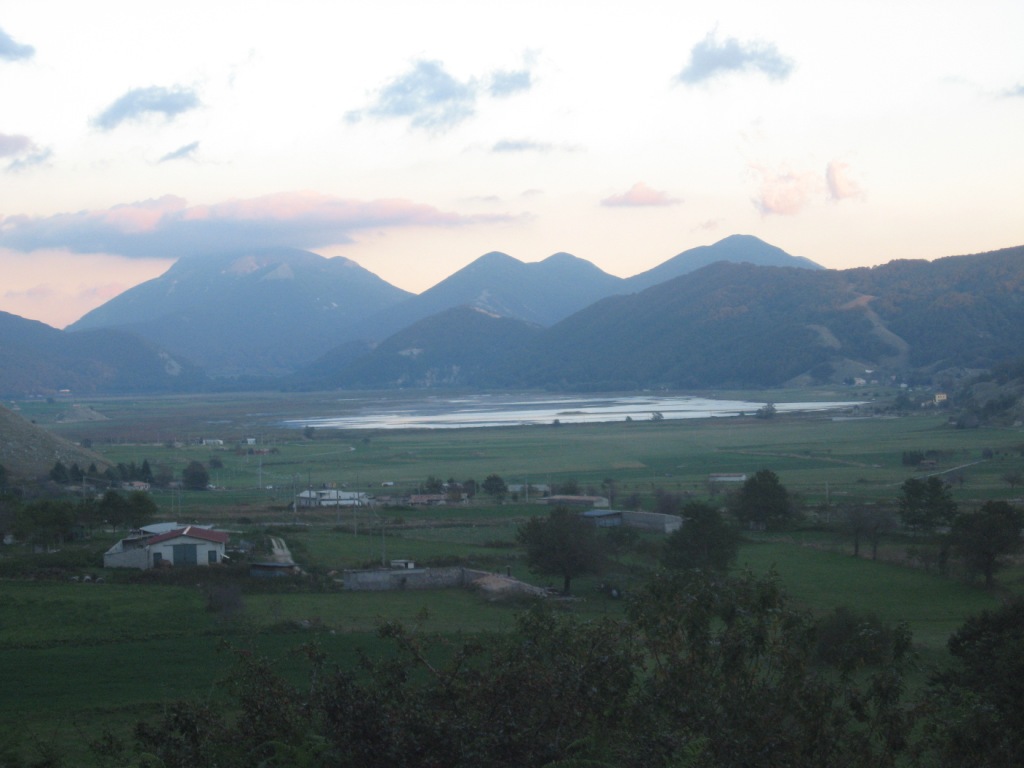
x: 504, y: 410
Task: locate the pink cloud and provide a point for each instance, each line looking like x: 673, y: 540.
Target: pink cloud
x: 640, y: 195
x: 167, y: 227
x: 785, y: 192
x: 840, y: 185
x: 143, y: 216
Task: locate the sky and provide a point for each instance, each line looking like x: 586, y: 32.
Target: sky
x: 413, y: 137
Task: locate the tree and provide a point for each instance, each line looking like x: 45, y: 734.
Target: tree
x: 563, y: 544
x: 47, y: 522
x: 870, y: 522
x: 705, y: 541
x: 976, y: 712
x: 1013, y: 478
x: 113, y: 508
x: 59, y: 473
x: 762, y: 501
x: 926, y: 504
x: 195, y: 477
x: 141, y: 509
x: 983, y: 539
x: 494, y: 486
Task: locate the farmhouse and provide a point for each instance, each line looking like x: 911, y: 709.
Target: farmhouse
x: 329, y: 497
x: 182, y: 547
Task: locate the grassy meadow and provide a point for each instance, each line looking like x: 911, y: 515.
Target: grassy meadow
x: 77, y: 658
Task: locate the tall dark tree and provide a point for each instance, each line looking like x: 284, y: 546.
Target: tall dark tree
x: 561, y: 544
x: 494, y: 486
x: 705, y: 541
x: 141, y: 509
x: 195, y: 477
x: 926, y: 504
x: 59, y: 473
x: 984, y: 539
x: 113, y: 508
x: 763, y: 501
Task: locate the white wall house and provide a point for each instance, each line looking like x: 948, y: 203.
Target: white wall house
x: 328, y: 497
x: 184, y: 547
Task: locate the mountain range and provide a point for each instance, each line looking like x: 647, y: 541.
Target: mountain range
x: 739, y: 312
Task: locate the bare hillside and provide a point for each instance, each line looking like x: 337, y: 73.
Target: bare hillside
x: 28, y: 451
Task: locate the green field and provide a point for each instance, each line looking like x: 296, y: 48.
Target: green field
x: 76, y: 658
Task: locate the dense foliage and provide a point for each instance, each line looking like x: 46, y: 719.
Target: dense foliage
x: 702, y: 672
x: 976, y: 708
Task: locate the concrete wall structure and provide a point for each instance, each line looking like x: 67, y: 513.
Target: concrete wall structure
x: 410, y: 578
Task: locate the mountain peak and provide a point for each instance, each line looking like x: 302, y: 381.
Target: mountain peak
x: 736, y: 248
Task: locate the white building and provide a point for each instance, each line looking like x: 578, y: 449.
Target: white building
x: 329, y: 497
x: 183, y: 547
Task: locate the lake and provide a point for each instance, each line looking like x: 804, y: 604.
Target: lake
x: 463, y: 411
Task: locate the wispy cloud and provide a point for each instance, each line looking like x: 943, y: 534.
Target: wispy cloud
x: 1017, y: 92
x: 22, y: 151
x: 13, y: 51
x: 429, y: 97
x: 520, y: 145
x: 140, y: 102
x: 708, y: 225
x: 181, y: 153
x: 507, y: 83
x: 167, y: 227
x: 710, y: 58
x: 640, y: 195
x: 785, y: 192
x: 840, y: 185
